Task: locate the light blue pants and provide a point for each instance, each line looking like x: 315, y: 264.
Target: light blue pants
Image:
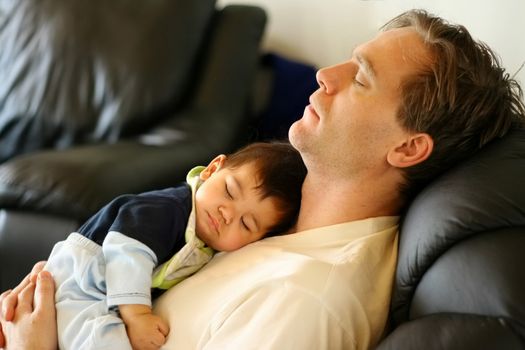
x: 85, y: 319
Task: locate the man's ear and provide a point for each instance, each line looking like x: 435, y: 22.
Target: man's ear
x: 415, y: 149
x: 214, y: 166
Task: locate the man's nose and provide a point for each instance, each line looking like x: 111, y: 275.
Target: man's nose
x: 326, y: 79
x: 329, y: 78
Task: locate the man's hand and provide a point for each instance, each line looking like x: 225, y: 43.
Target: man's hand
x: 27, y: 314
x: 9, y: 299
x: 146, y: 331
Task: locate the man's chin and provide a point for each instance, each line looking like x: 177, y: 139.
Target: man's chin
x: 294, y: 134
x: 300, y: 139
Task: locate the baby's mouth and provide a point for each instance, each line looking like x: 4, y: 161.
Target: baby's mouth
x: 214, y: 223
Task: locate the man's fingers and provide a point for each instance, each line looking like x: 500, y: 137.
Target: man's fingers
x: 39, y: 266
x: 4, y: 295
x: 25, y: 299
x: 5, y: 309
x: 45, y: 294
x: 9, y: 300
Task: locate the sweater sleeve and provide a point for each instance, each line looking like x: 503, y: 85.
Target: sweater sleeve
x: 129, y: 265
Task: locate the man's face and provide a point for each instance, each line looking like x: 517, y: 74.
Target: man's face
x: 350, y: 123
x: 230, y: 212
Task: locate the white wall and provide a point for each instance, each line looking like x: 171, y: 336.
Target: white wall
x: 323, y: 32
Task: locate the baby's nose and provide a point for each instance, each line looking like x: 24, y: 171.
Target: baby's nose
x: 227, y: 214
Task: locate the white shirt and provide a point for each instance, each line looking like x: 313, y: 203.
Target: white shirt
x: 326, y: 288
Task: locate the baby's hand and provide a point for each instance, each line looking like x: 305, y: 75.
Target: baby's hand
x: 146, y: 331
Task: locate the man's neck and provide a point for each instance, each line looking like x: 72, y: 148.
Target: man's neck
x: 327, y: 201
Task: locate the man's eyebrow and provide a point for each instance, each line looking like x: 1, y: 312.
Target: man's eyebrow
x: 366, y: 65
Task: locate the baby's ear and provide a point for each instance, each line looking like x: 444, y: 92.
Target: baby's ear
x: 414, y: 150
x: 213, y: 167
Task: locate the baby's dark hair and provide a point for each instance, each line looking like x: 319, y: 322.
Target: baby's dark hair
x: 280, y: 171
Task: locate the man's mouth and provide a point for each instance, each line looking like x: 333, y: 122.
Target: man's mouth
x: 311, y: 108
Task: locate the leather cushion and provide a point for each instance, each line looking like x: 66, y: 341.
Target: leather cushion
x: 446, y: 262
x: 453, y: 332
x: 76, y: 71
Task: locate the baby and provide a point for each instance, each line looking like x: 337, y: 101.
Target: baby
x: 103, y: 272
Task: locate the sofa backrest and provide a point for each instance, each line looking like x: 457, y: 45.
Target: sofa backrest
x: 76, y: 71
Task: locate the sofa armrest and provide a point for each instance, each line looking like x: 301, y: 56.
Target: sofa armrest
x: 76, y: 182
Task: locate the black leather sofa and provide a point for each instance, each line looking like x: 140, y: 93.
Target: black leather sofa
x: 460, y: 281
x: 100, y: 98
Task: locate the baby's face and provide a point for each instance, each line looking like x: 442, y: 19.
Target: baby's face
x: 230, y: 212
